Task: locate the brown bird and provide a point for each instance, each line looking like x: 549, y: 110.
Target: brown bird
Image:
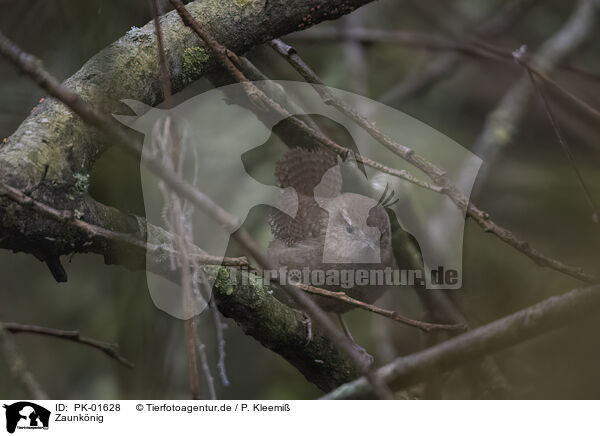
x: 333, y: 232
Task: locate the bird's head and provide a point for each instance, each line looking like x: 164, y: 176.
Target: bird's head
x: 357, y: 226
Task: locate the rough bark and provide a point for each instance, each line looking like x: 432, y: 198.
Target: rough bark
x: 282, y: 329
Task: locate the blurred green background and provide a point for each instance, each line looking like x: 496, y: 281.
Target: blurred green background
x: 531, y: 190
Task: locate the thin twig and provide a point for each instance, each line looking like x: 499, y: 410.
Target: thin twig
x: 165, y: 79
x: 220, y: 328
x: 111, y: 350
x: 342, y: 296
x: 565, y: 146
x: 191, y: 334
x: 591, y: 75
x: 424, y: 40
x: 201, y: 350
x: 192, y: 354
x: 588, y: 110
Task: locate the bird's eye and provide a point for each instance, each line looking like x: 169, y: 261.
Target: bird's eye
x: 349, y: 228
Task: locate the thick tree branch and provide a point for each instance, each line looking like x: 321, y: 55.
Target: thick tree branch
x: 118, y: 245
x: 281, y: 329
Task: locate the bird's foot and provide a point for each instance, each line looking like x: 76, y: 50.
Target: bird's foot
x: 367, y: 359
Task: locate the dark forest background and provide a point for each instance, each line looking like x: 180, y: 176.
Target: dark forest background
x: 531, y: 190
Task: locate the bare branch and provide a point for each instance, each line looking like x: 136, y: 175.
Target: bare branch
x: 421, y: 325
x: 111, y: 350
x: 206, y: 370
x: 220, y: 327
x: 513, y: 329
x: 424, y: 40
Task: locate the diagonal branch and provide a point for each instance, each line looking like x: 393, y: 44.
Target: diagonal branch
x: 391, y: 314
x: 564, y: 145
x: 525, y: 324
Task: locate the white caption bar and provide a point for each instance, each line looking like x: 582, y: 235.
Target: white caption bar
x: 21, y: 417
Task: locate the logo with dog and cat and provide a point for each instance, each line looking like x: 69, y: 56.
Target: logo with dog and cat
x: 24, y: 415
